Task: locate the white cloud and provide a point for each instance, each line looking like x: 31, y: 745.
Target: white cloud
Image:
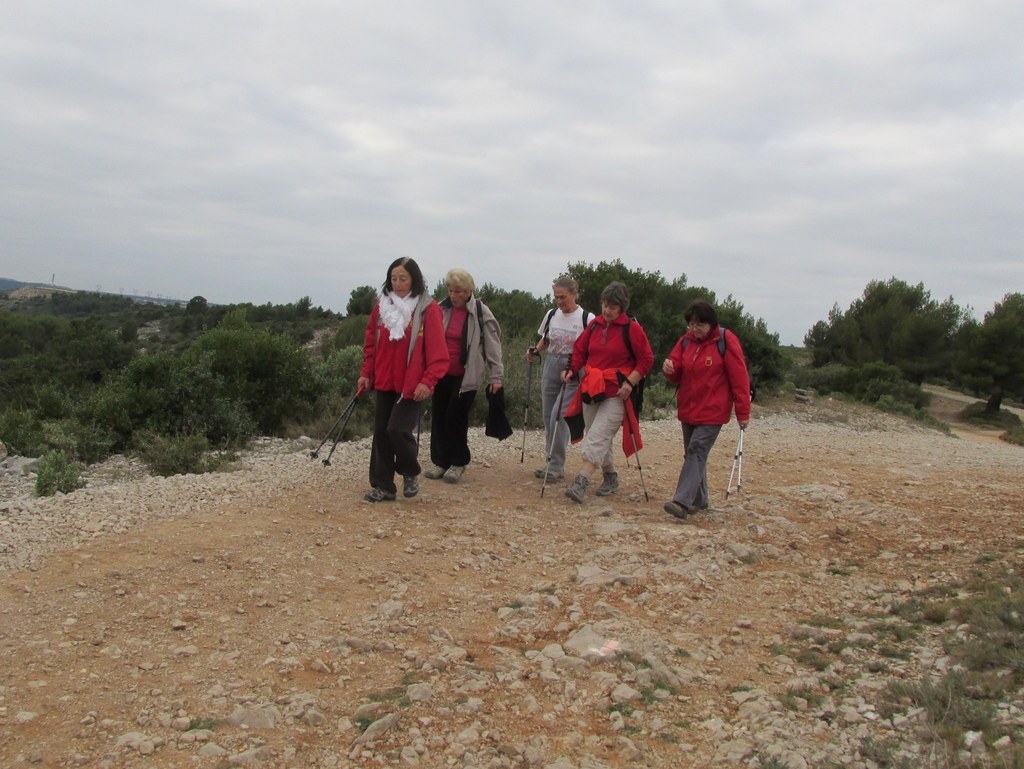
x: 786, y: 153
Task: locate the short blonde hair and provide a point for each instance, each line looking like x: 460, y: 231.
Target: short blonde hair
x: 459, y: 278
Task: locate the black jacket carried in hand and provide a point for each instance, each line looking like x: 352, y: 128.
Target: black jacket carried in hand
x: 497, y: 423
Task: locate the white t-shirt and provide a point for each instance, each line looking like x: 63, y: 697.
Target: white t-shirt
x: 564, y: 329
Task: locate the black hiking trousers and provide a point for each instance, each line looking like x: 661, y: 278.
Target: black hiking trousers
x: 394, y: 440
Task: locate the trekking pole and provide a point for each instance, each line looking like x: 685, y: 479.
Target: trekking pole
x: 636, y: 451
x: 552, y: 431
x: 736, y: 460
x: 739, y: 472
x: 338, y: 432
x: 526, y: 408
x: 316, y: 452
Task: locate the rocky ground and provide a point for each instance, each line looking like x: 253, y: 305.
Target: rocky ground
x: 270, y: 617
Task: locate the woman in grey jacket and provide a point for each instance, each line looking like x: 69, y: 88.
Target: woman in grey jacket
x: 474, y: 344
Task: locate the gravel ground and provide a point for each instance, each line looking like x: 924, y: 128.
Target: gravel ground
x: 270, y: 617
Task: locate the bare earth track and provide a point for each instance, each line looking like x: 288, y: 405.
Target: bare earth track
x: 269, y: 617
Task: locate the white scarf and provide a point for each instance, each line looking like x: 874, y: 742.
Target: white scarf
x: 396, y: 312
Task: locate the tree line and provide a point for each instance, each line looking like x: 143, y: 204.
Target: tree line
x: 896, y: 336
x: 656, y: 302
x: 83, y: 376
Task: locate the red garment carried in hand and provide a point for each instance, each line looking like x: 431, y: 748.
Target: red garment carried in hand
x: 592, y: 390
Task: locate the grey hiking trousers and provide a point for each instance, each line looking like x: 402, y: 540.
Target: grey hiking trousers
x: 556, y: 431
x: 692, y: 488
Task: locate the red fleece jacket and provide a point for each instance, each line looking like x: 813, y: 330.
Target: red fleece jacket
x: 602, y: 346
x: 386, y: 361
x: 710, y: 385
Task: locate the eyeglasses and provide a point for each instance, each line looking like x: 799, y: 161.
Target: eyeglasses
x: 695, y: 323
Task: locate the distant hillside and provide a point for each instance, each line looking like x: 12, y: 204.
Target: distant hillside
x: 9, y: 286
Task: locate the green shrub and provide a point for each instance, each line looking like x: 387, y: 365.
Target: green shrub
x: 899, y: 390
x: 108, y: 411
x: 51, y: 402
x: 268, y: 374
x: 335, y: 380
x: 176, y: 454
x: 168, y: 394
x: 56, y: 472
x: 338, y: 373
x: 350, y: 333
x: 659, y: 397
x: 59, y: 434
x: 822, y: 380
x: 22, y: 432
x: 26, y: 435
x: 976, y: 413
x: 877, y: 384
x: 93, y: 442
x: 892, y: 406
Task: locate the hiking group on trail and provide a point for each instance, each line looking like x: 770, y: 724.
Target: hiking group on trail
x: 591, y: 384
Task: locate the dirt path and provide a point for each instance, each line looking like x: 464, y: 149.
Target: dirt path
x: 946, y: 406
x: 269, y: 622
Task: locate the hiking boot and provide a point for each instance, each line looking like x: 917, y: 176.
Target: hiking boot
x: 453, y: 473
x: 434, y: 473
x: 410, y: 486
x: 377, y: 494
x: 578, y: 488
x: 675, y: 508
x: 609, y: 485
x: 553, y: 475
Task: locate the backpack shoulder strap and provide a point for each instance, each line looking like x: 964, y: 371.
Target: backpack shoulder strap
x: 625, y: 336
x: 721, y: 342
x: 547, y: 323
x: 480, y: 321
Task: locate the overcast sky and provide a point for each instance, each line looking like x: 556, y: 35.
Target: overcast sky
x: 786, y: 152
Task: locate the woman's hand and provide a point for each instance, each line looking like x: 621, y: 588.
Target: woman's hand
x: 495, y: 387
x: 363, y: 383
x: 668, y: 368
x: 625, y: 390
x: 421, y: 393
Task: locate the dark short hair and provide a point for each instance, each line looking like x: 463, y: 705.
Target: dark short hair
x: 418, y: 285
x: 616, y: 293
x: 701, y: 311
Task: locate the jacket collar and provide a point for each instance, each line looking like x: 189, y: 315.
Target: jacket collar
x: 446, y: 303
x: 712, y: 336
x: 621, y: 320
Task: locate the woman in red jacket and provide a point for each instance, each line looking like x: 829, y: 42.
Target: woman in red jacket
x: 609, y: 358
x: 404, y: 355
x: 711, y: 383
